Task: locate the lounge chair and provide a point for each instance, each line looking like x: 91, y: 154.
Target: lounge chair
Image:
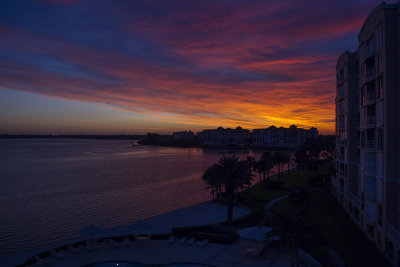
x: 89, y: 245
x: 183, y: 240
x: 204, y: 243
x: 251, y: 252
x: 114, y: 244
x: 191, y: 241
x: 143, y: 237
x: 99, y: 244
x: 171, y: 239
x: 73, y: 249
x: 126, y: 242
x: 39, y: 261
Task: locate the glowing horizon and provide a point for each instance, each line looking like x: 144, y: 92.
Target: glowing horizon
x: 169, y: 66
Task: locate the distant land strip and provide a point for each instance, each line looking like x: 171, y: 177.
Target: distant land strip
x: 74, y: 136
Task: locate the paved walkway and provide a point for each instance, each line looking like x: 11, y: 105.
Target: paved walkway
x: 268, y: 206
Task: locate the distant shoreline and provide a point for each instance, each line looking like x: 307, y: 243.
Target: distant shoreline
x: 75, y: 136
x: 138, y: 138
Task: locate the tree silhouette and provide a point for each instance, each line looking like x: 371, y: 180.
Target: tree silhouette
x: 279, y: 160
x: 266, y: 163
x: 212, y: 178
x: 232, y: 174
x: 286, y: 159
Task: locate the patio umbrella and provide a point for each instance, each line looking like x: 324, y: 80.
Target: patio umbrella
x: 255, y: 233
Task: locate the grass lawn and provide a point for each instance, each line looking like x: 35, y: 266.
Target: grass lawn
x: 299, y: 178
x: 258, y: 194
x: 339, y: 231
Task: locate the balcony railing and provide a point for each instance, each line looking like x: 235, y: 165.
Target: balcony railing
x: 340, y: 157
x: 370, y: 73
x: 340, y: 92
x: 392, y: 232
x: 370, y: 51
x: 371, y: 96
x: 371, y: 120
x: 353, y: 198
x: 371, y: 144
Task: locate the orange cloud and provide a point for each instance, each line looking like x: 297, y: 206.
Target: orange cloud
x: 248, y: 64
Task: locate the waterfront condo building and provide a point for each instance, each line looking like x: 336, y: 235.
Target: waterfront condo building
x: 271, y: 137
x: 367, y: 181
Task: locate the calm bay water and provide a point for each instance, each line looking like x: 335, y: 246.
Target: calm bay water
x: 50, y: 188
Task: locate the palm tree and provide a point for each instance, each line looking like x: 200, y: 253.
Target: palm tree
x: 260, y: 169
x: 232, y: 174
x: 212, y: 178
x: 266, y: 163
x: 287, y: 159
x: 253, y: 166
x: 293, y: 229
x: 278, y: 160
x: 252, y: 162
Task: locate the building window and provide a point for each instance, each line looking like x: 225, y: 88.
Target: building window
x: 356, y: 213
x: 379, y: 239
x: 379, y: 35
x: 380, y: 215
x: 362, y: 139
x: 370, y: 186
x: 398, y: 252
x: 380, y: 87
x: 380, y: 139
x: 362, y: 70
x: 370, y: 138
x: 371, y: 230
x: 362, y: 99
x: 341, y: 75
x: 370, y: 47
x: 389, y: 248
x: 362, y: 201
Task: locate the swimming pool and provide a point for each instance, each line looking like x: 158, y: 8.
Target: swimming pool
x: 138, y: 264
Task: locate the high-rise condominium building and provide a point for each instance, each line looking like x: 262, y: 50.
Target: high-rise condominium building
x: 367, y: 181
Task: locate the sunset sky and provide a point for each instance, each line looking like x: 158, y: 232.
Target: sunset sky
x: 96, y: 66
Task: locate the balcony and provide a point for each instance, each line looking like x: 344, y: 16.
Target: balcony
x: 371, y: 96
x: 371, y: 121
x: 354, y: 199
x: 341, y: 190
x: 392, y: 232
x: 370, y: 210
x: 370, y: 74
x: 340, y: 92
x: 371, y: 144
x: 370, y: 50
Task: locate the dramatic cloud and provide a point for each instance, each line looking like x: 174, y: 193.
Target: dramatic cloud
x: 200, y: 63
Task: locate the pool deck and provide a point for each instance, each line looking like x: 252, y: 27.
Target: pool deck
x: 162, y: 252
x: 200, y: 214
x: 158, y: 251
